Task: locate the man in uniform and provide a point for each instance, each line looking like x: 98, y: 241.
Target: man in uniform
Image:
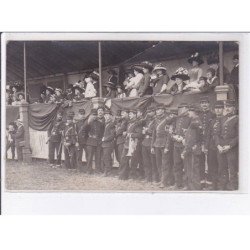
x: 149, y: 162
x: 108, y: 142
x: 180, y: 127
x: 19, y: 139
x: 70, y: 142
x: 81, y: 123
x: 227, y: 144
x: 55, y: 141
x: 94, y: 132
x: 192, y: 150
x: 121, y: 127
x: 133, y: 133
x: 208, y: 152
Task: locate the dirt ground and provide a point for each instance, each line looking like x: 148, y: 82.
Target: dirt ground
x: 39, y: 176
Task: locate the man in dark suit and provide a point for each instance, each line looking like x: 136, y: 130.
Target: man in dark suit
x: 108, y: 142
x: 234, y: 76
x: 19, y: 139
x: 94, y: 132
x: 227, y: 144
x: 10, y: 140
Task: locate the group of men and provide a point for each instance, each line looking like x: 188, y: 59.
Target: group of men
x: 189, y: 148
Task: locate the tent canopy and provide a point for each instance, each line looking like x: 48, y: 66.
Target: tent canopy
x: 46, y: 58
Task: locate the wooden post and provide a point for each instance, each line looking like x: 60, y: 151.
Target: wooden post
x: 221, y: 62
x: 24, y: 72
x: 100, y: 67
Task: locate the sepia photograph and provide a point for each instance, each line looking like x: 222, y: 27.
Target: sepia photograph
x: 121, y: 115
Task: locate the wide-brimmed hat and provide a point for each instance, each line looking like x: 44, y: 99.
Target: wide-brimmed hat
x: 181, y: 73
x: 112, y: 71
x: 137, y: 67
x: 147, y: 65
x: 59, y: 90
x: 160, y: 67
x: 195, y: 57
x: 212, y: 59
x: 50, y: 89
x: 94, y: 75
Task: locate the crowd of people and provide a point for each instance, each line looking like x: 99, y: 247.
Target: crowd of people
x: 141, y: 79
x: 189, y: 148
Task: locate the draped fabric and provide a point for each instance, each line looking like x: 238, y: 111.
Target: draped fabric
x: 41, y: 115
x: 12, y: 114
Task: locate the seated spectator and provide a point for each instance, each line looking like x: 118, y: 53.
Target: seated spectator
x: 58, y: 95
x: 119, y: 92
x: 212, y: 81
x: 69, y: 93
x: 196, y: 86
x: 196, y: 71
x: 94, y: 76
x: 21, y: 98
x: 8, y: 97
x: 48, y: 93
x: 113, y: 80
x: 110, y: 90
x: 145, y: 88
x: 129, y: 75
x: 78, y: 93
x: 14, y: 101
x: 160, y: 79
x: 90, y: 90
x: 179, y: 78
x: 134, y: 83
x: 213, y: 62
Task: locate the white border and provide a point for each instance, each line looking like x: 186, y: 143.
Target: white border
x: 138, y: 203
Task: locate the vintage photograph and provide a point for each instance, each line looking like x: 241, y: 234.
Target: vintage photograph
x: 122, y: 116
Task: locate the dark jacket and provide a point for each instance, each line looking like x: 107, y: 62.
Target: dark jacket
x: 234, y: 76
x: 56, y: 130
x: 19, y: 136
x: 210, y: 86
x: 121, y: 127
x: 70, y: 133
x: 149, y: 127
x: 94, y: 131
x: 109, y: 135
x: 80, y: 126
x: 144, y: 88
x: 134, y: 129
x: 158, y: 83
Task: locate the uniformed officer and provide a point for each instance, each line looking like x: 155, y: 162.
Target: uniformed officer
x: 227, y: 144
x: 149, y: 161
x: 208, y: 152
x: 133, y: 133
x: 70, y: 142
x: 121, y: 127
x: 108, y: 141
x: 19, y: 139
x: 192, y: 150
x: 94, y: 131
x: 180, y: 127
x: 218, y: 109
x: 81, y: 123
x: 55, y: 141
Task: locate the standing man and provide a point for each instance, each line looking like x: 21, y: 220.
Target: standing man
x: 19, y: 139
x: 180, y: 127
x: 234, y: 76
x: 108, y: 142
x: 227, y: 144
x: 70, y: 142
x: 94, y: 131
x: 192, y: 150
x: 121, y: 127
x: 10, y: 140
x: 133, y: 133
x: 81, y: 123
x: 55, y: 141
x: 208, y: 152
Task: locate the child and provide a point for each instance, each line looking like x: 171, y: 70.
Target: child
x: 212, y: 81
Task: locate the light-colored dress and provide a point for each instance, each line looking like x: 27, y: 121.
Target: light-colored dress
x: 90, y: 90
x: 134, y: 85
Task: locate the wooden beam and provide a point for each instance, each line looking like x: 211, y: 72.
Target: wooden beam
x: 100, y: 67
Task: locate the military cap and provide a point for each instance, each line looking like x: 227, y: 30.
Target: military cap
x: 182, y: 105
x: 107, y: 111
x: 204, y: 99
x: 93, y: 111
x: 230, y: 103
x: 81, y: 111
x: 193, y: 107
x: 219, y: 104
x: 101, y: 107
x: 160, y: 106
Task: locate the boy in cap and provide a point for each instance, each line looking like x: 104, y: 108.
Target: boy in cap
x: 19, y: 139
x: 94, y: 132
x: 69, y: 142
x: 181, y: 125
x: 55, y: 141
x: 192, y: 150
x: 227, y: 145
x: 108, y: 142
x: 81, y: 124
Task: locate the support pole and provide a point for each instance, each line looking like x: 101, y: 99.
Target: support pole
x: 24, y: 71
x: 100, y: 67
x: 221, y: 62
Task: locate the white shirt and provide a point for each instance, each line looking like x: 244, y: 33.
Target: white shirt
x: 90, y: 90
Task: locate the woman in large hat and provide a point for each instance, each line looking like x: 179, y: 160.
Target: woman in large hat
x: 196, y: 71
x: 159, y: 79
x: 179, y: 78
x: 134, y: 83
x: 90, y: 90
x: 48, y: 94
x: 119, y: 92
x: 78, y: 93
x: 113, y: 80
x: 129, y: 73
x: 110, y: 88
x: 145, y: 88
